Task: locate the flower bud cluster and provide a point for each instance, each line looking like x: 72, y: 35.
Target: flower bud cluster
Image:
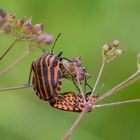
x: 35, y: 33
x: 110, y: 51
x: 23, y: 29
x: 74, y: 70
x: 6, y: 21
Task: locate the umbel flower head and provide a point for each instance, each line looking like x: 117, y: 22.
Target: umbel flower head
x: 73, y: 70
x: 110, y: 51
x: 24, y: 29
x: 35, y: 33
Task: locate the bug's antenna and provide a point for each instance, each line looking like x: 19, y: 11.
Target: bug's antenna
x: 55, y: 42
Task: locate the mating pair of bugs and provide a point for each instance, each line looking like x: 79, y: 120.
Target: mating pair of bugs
x: 47, y: 82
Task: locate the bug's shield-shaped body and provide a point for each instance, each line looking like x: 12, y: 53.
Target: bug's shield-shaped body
x: 47, y: 77
x: 71, y: 102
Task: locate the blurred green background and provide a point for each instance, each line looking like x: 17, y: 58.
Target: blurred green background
x: 85, y: 27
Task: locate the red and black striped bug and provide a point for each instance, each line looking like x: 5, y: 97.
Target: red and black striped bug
x: 71, y: 102
x: 47, y: 76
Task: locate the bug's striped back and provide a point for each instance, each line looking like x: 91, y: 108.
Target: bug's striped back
x: 71, y: 102
x: 47, y: 77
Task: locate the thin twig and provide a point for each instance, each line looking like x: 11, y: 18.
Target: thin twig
x: 80, y: 88
x: 74, y: 126
x: 116, y: 103
x: 10, y: 47
x: 120, y: 86
x: 98, y: 78
x: 15, y: 88
x: 15, y: 63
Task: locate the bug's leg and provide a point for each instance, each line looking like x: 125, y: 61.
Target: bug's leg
x: 89, y: 86
x: 30, y: 74
x: 76, y: 85
x: 65, y: 59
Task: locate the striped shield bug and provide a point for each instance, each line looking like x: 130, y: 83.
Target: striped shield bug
x: 47, y: 76
x: 71, y: 101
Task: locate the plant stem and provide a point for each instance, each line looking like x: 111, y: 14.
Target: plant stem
x: 98, y: 78
x: 74, y: 126
x: 15, y: 88
x: 117, y: 103
x: 15, y: 63
x: 120, y: 86
x: 10, y: 47
x: 80, y: 88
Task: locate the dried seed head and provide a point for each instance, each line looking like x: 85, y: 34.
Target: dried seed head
x: 19, y: 23
x: 27, y: 26
x: 3, y: 13
x: 74, y: 68
x: 38, y: 28
x: 110, y: 51
x: 44, y: 38
x: 118, y: 52
x: 11, y: 18
x: 8, y: 28
x: 106, y: 48
x: 115, y: 43
x: 49, y: 39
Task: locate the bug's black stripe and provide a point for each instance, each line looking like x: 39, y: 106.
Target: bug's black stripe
x: 52, y: 72
x: 53, y: 75
x: 40, y: 94
x: 34, y: 82
x: 40, y: 76
x: 46, y: 60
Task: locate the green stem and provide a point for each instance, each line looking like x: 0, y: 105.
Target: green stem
x: 15, y: 63
x: 15, y: 88
x: 10, y: 47
x: 117, y: 103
